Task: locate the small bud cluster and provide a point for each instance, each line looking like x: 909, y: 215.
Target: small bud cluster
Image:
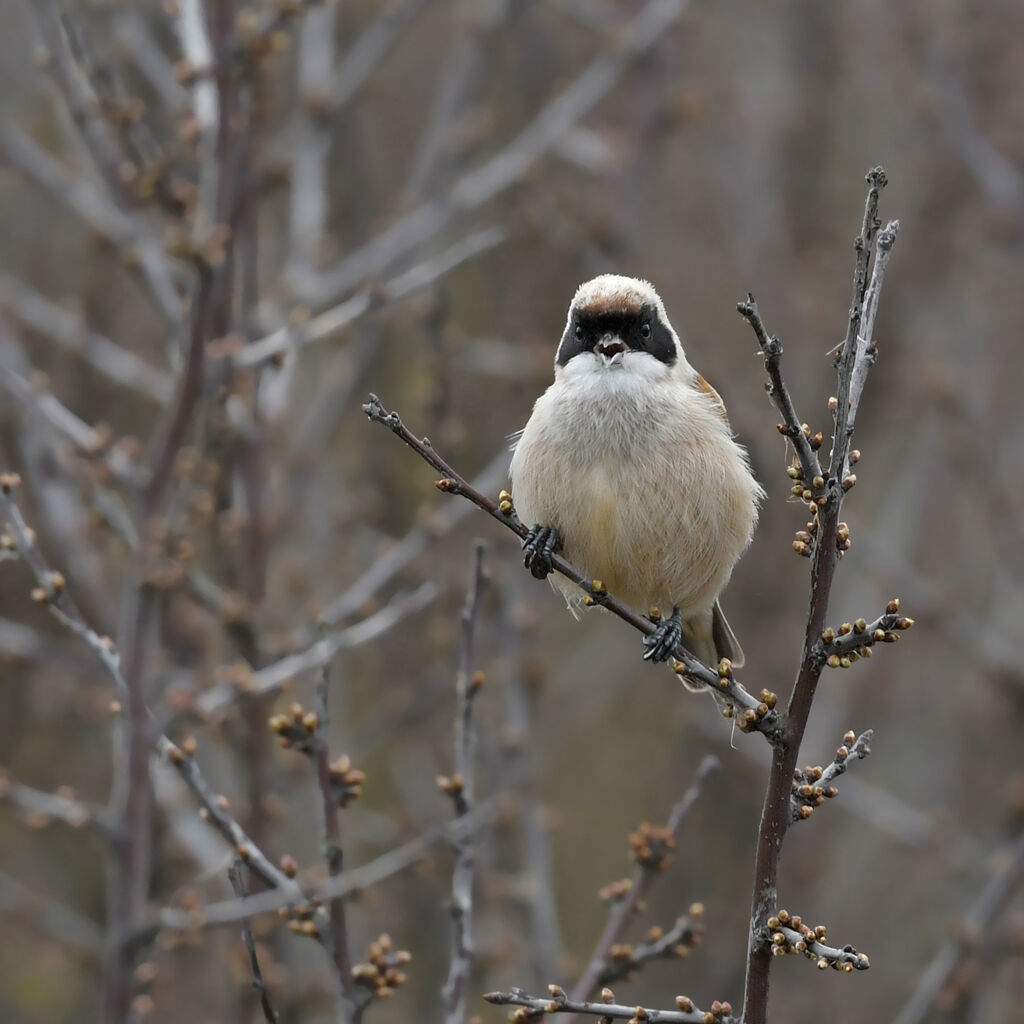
x: 651, y: 846
x: 808, y: 792
x: 346, y: 782
x: 505, y: 503
x: 615, y: 891
x: 297, y: 729
x: 382, y: 972
x: 791, y: 935
x: 813, y: 785
x: 854, y: 640
x: 301, y: 919
x: 453, y: 786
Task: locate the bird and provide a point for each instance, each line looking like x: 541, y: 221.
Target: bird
x: 628, y: 468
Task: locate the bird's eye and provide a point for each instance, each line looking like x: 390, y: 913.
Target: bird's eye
x: 579, y: 333
x: 645, y: 330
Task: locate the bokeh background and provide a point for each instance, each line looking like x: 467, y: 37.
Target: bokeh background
x: 726, y: 153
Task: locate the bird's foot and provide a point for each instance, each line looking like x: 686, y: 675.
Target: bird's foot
x: 661, y: 644
x: 540, y: 544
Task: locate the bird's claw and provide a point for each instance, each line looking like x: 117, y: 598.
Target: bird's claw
x: 541, y: 543
x: 661, y: 644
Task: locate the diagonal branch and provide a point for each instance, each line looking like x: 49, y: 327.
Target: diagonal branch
x: 643, y: 878
x: 752, y: 714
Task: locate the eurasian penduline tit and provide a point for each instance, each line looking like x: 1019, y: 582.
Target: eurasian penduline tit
x: 628, y: 467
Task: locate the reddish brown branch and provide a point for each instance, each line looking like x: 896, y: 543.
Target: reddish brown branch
x: 752, y: 714
x: 826, y: 504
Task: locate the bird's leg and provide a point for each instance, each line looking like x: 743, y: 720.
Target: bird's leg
x: 660, y: 645
x: 541, y: 543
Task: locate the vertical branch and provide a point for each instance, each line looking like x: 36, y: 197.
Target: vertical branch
x: 194, y: 38
x: 825, y: 506
x: 520, y: 762
x: 308, y: 196
x: 337, y: 932
x: 460, y: 788
x: 238, y: 886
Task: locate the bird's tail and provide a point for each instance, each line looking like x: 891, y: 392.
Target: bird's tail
x: 711, y: 638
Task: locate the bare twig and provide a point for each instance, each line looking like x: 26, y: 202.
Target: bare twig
x: 338, y: 317
x: 259, y: 985
x: 644, y: 875
x: 49, y: 917
x: 388, y: 565
x: 272, y: 677
x: 791, y: 425
x: 825, y: 498
x: 40, y: 807
x: 791, y: 935
x: 99, y: 212
x: 557, y: 1002
x: 813, y: 786
x: 752, y: 714
x: 992, y: 900
x: 366, y: 54
x: 460, y: 788
x: 508, y: 166
x: 67, y: 329
x: 191, y: 25
x: 345, y: 886
x: 337, y: 931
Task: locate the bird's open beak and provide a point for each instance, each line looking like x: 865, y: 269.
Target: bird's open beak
x: 611, y: 349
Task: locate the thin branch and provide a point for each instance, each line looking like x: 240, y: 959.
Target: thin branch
x: 259, y: 985
x: 460, y: 788
x: 322, y: 326
x: 41, y: 808
x: 752, y: 714
x: 644, y: 875
x: 387, y: 566
x: 992, y: 901
x: 271, y: 678
x: 624, y: 960
x: 791, y: 935
x: 558, y: 1003
x: 89, y: 441
x: 813, y: 786
x: 117, y: 364
x: 49, y: 917
x: 216, y: 812
x: 791, y: 425
x: 345, y: 886
x: 368, y: 51
x: 826, y: 548
x: 191, y: 26
x: 337, y: 931
x: 511, y: 164
x: 99, y: 212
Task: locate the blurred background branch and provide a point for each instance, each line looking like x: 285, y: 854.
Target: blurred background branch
x: 295, y: 203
